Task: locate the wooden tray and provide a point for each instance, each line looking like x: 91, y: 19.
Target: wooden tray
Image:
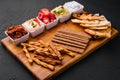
x: 43, y: 73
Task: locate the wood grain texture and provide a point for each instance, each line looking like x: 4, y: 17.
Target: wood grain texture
x: 42, y: 73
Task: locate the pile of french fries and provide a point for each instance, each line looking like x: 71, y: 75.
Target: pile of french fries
x: 46, y: 55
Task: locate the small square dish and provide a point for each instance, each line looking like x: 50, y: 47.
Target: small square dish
x: 63, y: 13
x: 49, y: 19
x: 33, y: 26
x: 52, y: 24
x: 74, y: 7
x: 17, y: 34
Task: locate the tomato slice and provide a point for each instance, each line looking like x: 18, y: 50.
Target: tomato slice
x: 46, y: 16
x: 40, y: 15
x: 46, y: 20
x: 52, y: 16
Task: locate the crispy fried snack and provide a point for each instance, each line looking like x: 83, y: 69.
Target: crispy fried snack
x: 48, y: 60
x: 55, y: 51
x: 51, y: 67
x: 45, y: 55
x: 30, y: 60
x: 63, y: 50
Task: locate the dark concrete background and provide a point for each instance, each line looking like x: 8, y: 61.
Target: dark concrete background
x: 102, y: 64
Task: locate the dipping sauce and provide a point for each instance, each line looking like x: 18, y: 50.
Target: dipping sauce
x: 60, y: 11
x: 16, y: 32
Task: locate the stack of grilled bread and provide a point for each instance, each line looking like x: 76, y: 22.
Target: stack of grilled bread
x: 94, y: 24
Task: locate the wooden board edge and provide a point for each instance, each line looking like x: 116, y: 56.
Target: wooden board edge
x: 27, y: 68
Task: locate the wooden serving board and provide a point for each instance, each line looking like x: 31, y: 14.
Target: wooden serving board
x: 42, y: 73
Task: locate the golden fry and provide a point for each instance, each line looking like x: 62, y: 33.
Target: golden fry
x: 51, y: 67
x: 45, y: 55
x: 65, y: 51
x: 30, y: 60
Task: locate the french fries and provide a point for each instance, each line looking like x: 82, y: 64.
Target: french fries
x: 45, y: 55
x: 63, y: 50
x: 51, y: 67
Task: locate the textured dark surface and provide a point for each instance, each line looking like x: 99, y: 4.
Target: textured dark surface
x: 103, y: 64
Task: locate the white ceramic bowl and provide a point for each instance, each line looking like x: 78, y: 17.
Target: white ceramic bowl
x: 34, y: 32
x: 74, y: 7
x: 65, y: 18
x: 51, y: 24
x: 62, y: 18
x: 19, y: 40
